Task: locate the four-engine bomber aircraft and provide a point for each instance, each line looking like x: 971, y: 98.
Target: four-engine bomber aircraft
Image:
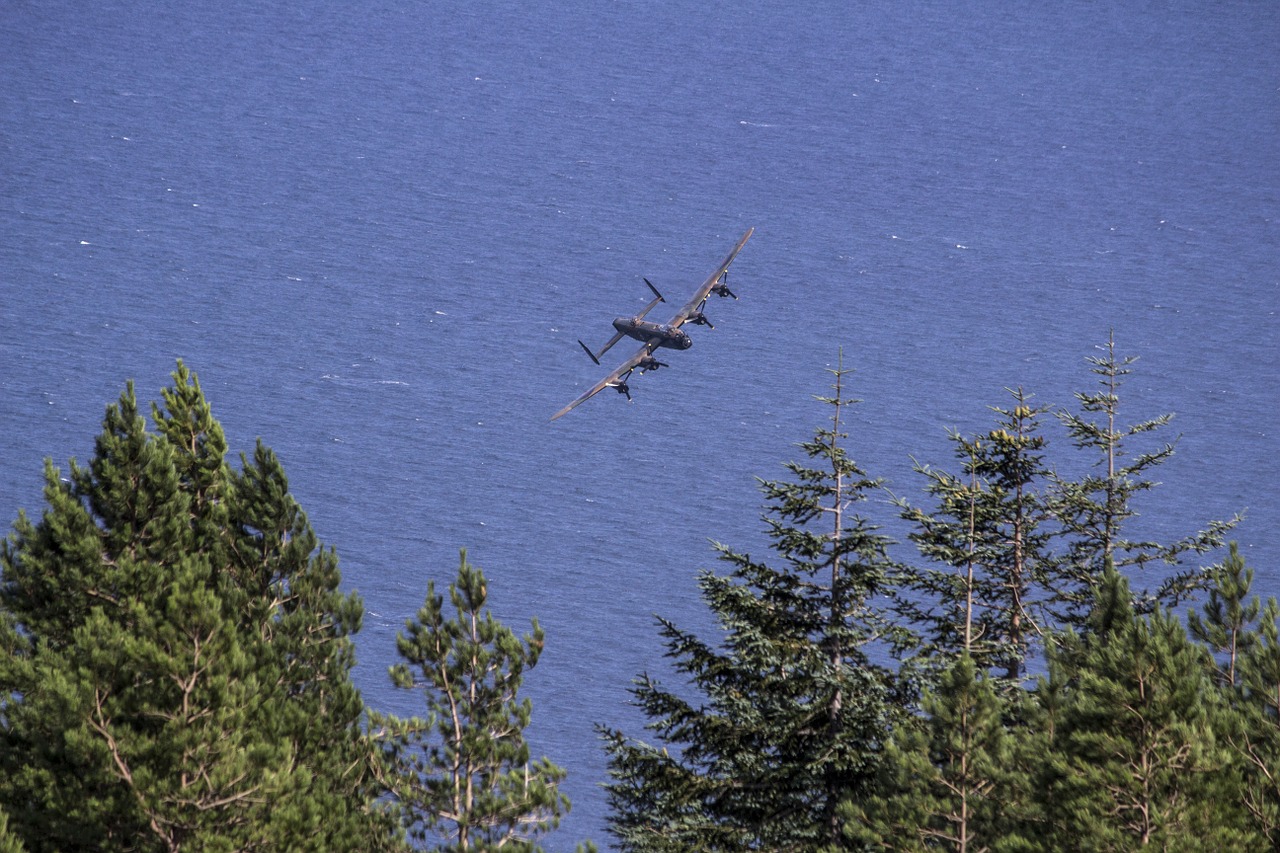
x: 656, y: 335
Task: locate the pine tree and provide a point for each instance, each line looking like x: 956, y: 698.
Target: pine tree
x: 9, y: 843
x: 151, y: 698
x: 1243, y: 637
x: 1228, y: 614
x: 1137, y: 754
x: 952, y: 780
x: 791, y: 714
x: 461, y: 778
x: 1094, y: 509
x: 1257, y: 741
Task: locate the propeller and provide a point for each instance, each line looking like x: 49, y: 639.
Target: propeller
x: 722, y: 287
x: 621, y: 385
x: 650, y: 363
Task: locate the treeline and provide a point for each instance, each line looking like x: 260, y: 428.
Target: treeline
x: 175, y: 659
x: 1007, y: 691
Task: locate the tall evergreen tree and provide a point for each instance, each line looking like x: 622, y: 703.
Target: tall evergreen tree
x: 990, y: 533
x: 1094, y: 508
x: 1243, y: 637
x: 791, y: 714
x: 461, y: 778
x: 151, y: 697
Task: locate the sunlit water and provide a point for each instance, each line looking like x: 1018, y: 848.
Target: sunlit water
x: 377, y: 231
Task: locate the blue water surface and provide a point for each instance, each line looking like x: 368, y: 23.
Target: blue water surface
x: 376, y: 230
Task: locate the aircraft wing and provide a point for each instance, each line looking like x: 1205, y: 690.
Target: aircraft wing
x: 701, y: 294
x: 612, y: 379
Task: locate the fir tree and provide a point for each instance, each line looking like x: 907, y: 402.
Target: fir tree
x: 1094, y: 509
x: 990, y: 532
x: 792, y: 714
x: 461, y: 778
x: 151, y: 698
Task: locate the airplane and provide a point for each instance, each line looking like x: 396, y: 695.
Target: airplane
x: 654, y: 336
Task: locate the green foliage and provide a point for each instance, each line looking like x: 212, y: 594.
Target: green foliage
x: 1228, y: 614
x: 1138, y: 755
x: 461, y: 778
x: 1094, y: 508
x: 792, y: 713
x: 9, y: 843
x: 175, y: 660
x: 1257, y: 738
x: 175, y: 654
x: 951, y: 777
x: 990, y: 531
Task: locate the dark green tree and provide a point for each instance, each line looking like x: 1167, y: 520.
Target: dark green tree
x: 156, y: 693
x: 461, y: 778
x: 1137, y: 755
x: 787, y: 716
x: 1095, y: 507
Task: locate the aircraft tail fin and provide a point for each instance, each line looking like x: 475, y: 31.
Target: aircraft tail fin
x: 588, y: 351
x: 652, y: 304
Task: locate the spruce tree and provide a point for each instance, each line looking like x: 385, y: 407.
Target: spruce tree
x: 461, y: 777
x: 787, y: 716
x: 152, y: 697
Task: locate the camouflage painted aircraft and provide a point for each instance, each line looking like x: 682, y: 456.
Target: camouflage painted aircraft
x: 654, y: 336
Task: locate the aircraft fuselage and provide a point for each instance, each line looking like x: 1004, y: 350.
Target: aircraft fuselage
x: 643, y: 330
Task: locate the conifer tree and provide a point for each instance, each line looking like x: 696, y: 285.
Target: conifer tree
x: 951, y: 777
x: 788, y: 714
x: 1243, y: 635
x: 1228, y: 614
x: 990, y: 533
x: 1094, y: 509
x: 461, y: 778
x: 1137, y: 755
x: 9, y: 843
x: 151, y: 698
x: 1257, y: 741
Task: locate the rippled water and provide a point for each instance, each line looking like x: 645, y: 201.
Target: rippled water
x: 376, y: 231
